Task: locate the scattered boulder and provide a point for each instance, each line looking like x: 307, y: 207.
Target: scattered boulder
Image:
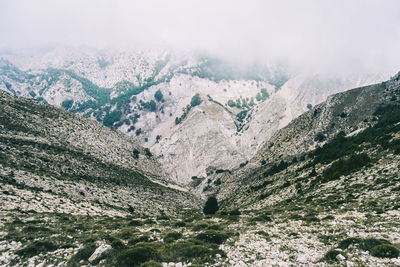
x: 100, y: 252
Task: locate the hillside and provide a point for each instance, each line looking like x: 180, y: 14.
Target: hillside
x: 54, y: 161
x: 327, y: 182
x: 322, y: 191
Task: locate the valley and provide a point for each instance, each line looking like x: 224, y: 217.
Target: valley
x: 107, y: 160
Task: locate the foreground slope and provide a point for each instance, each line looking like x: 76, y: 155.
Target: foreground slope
x: 54, y: 161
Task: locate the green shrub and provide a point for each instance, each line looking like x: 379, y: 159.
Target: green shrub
x: 184, y: 250
x: 349, y: 241
x: 172, y: 236
x: 135, y: 240
x: 200, y: 226
x: 180, y: 224
x: 385, y: 251
x: 36, y: 248
x: 195, y: 101
x: 345, y: 166
x: 311, y: 218
x: 211, y: 236
x: 112, y: 117
x: 117, y: 244
x: 231, y: 103
x: 83, y: 254
x: 370, y: 243
x: 135, y: 223
x: 135, y: 256
x: 158, y: 95
x: 67, y: 104
x: 331, y: 255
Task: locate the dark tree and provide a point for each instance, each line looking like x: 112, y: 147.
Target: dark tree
x: 158, y: 95
x: 196, y: 100
x: 147, y: 152
x: 211, y: 206
x: 136, y: 153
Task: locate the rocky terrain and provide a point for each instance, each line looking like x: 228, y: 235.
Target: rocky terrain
x: 54, y: 161
x: 329, y: 179
x: 321, y: 189
x: 240, y: 107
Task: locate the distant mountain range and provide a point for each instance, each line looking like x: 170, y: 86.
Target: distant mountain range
x: 240, y: 107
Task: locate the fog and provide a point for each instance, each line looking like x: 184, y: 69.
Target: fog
x: 332, y: 35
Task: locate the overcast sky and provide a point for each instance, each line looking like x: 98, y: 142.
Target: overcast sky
x: 354, y: 34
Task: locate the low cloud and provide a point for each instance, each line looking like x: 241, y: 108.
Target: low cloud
x: 352, y: 35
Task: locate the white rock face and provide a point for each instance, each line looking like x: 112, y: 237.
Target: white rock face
x: 99, y: 252
x: 210, y: 135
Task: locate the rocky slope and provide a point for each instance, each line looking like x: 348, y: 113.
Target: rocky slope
x: 240, y: 109
x: 330, y: 176
x: 54, y: 161
x: 322, y: 191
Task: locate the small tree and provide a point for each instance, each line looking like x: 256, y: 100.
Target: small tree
x: 231, y: 103
x: 196, y: 100
x: 211, y: 206
x: 153, y: 105
x: 136, y: 153
x: 158, y: 95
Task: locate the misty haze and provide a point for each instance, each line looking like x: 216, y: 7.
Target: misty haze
x: 199, y: 133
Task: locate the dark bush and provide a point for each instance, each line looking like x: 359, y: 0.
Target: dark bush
x: 385, y: 251
x: 67, y: 104
x: 136, y: 153
x: 200, y: 226
x: 346, y: 166
x: 180, y: 224
x: 370, y: 243
x: 135, y: 223
x: 83, y: 254
x: 112, y: 117
x: 158, y: 95
x: 211, y: 206
x: 147, y: 152
x: 235, y: 212
x: 117, y: 244
x: 349, y: 241
x: 183, y: 250
x: 211, y: 236
x: 172, y: 236
x: 320, y: 137
x: 36, y: 248
x: 331, y: 255
x: 196, y: 100
x: 135, y: 240
x: 135, y: 256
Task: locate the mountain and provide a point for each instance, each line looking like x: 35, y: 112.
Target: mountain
x: 240, y: 107
x: 54, y: 161
x: 324, y: 185
x: 320, y: 190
